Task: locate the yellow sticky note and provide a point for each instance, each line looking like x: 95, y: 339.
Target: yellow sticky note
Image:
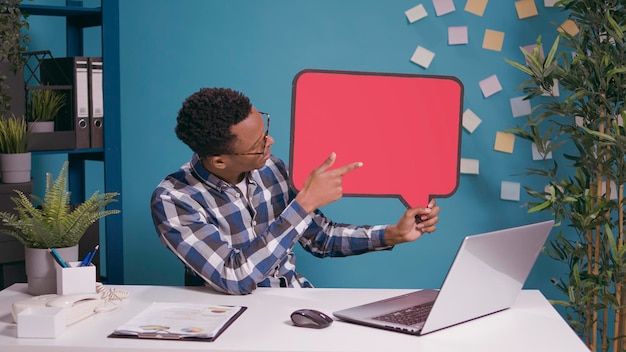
x: 526, y: 8
x: 569, y: 26
x: 493, y: 40
x: 477, y: 7
x: 504, y: 142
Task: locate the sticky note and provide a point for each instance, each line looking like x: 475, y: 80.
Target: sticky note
x: 443, y: 7
x: 422, y: 56
x: 526, y: 9
x: 477, y: 7
x: 490, y: 86
x: 569, y: 26
x: 537, y: 155
x: 504, y: 142
x: 613, y: 194
x: 549, y: 3
x: 470, y: 120
x: 520, y: 107
x: 580, y: 121
x: 416, y: 13
x: 469, y: 166
x: 531, y: 47
x: 457, y: 35
x: 493, y: 40
x: 510, y: 190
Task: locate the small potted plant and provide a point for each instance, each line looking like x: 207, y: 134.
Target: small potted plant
x: 42, y: 107
x: 15, y: 159
x: 52, y: 222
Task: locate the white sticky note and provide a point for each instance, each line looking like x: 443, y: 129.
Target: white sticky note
x: 490, y: 86
x: 469, y: 166
x: 443, y: 7
x: 520, y: 107
x: 457, y: 35
x: 580, y: 121
x: 613, y: 194
x: 422, y: 56
x: 531, y: 47
x: 509, y: 190
x: 537, y: 155
x: 549, y: 3
x: 416, y: 13
x: 470, y: 120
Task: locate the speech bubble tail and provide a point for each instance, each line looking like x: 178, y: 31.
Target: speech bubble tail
x: 416, y: 200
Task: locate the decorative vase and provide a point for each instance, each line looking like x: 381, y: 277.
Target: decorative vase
x: 41, y: 126
x: 40, y: 268
x: 15, y: 168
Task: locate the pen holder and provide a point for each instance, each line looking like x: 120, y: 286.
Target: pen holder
x: 76, y: 279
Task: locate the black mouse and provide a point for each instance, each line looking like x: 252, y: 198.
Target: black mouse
x: 310, y: 318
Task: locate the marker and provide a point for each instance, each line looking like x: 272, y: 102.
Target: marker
x: 57, y: 258
x: 418, y: 219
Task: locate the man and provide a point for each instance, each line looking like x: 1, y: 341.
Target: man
x: 231, y: 215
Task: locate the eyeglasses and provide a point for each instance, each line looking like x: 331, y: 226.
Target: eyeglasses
x: 267, y: 132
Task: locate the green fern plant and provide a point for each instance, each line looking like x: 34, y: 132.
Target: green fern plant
x: 53, y: 222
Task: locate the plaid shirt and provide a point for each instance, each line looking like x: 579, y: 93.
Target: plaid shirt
x: 236, y: 244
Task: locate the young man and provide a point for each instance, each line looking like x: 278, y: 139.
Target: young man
x: 230, y: 214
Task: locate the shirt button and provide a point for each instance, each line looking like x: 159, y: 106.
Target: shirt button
x: 253, y: 223
x: 237, y: 195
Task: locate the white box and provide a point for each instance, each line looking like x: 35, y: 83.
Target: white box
x: 76, y: 279
x: 41, y: 322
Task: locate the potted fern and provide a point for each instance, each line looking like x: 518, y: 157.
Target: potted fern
x: 42, y: 107
x: 15, y: 159
x: 52, y: 222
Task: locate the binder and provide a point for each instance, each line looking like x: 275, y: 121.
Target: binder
x: 96, y: 102
x: 71, y: 71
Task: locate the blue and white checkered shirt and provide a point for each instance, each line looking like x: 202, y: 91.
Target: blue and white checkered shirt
x: 236, y: 244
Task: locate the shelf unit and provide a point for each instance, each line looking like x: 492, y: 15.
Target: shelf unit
x: 78, y: 18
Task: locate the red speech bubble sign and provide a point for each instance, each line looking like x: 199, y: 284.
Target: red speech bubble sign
x: 406, y: 129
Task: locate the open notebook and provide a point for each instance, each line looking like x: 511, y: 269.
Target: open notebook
x: 486, y: 276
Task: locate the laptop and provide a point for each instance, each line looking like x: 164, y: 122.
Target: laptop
x: 486, y: 276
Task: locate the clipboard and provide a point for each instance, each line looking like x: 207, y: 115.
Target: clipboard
x: 180, y: 322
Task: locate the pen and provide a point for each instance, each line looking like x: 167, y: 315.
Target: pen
x: 57, y: 258
x: 93, y: 254
x: 85, y: 260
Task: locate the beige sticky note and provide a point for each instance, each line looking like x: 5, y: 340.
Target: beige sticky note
x: 526, y: 8
x: 493, y: 40
x: 504, y: 142
x: 569, y: 26
x: 477, y: 7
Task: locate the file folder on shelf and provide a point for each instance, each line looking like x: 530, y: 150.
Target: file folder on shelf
x: 71, y: 71
x: 96, y: 102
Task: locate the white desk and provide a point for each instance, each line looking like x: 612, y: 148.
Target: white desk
x: 531, y: 325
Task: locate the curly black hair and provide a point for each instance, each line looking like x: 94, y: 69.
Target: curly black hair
x: 205, y: 119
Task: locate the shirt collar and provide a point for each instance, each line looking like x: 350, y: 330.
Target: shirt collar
x: 210, y: 179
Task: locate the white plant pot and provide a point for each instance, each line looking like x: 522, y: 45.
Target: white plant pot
x: 41, y: 268
x: 15, y: 168
x: 41, y: 126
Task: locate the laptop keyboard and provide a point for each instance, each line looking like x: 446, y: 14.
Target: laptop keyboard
x: 407, y: 316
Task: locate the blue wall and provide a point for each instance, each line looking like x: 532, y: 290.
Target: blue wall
x: 171, y: 49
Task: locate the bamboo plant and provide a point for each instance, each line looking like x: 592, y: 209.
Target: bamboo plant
x: 583, y: 130
x: 52, y: 222
x: 14, y: 133
x: 44, y: 104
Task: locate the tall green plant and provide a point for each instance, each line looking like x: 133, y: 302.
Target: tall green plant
x: 584, y: 127
x: 12, y: 41
x: 14, y: 133
x: 53, y: 222
x: 44, y: 104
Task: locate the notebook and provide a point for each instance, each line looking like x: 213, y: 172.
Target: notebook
x: 486, y: 276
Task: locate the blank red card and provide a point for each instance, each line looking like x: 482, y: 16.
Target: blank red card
x: 406, y: 129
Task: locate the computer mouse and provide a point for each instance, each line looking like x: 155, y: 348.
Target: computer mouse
x: 310, y: 318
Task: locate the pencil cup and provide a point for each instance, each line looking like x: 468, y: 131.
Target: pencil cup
x: 76, y: 279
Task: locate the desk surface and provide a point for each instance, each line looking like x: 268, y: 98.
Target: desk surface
x: 531, y: 325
